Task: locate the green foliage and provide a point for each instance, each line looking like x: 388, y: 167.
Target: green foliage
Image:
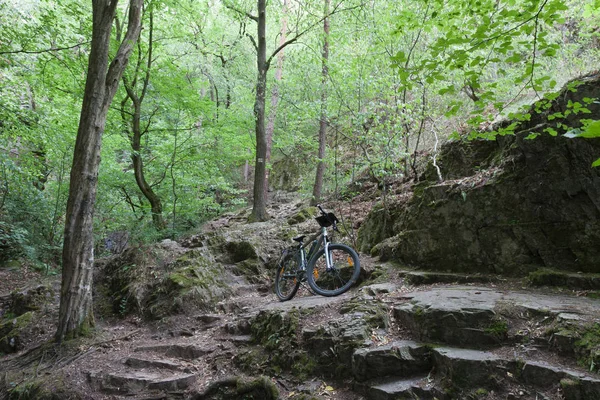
x: 402, y: 75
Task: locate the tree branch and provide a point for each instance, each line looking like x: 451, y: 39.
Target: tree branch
x: 50, y: 50
x: 227, y: 4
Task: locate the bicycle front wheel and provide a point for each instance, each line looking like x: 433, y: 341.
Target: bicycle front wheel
x: 287, y: 279
x: 343, y: 273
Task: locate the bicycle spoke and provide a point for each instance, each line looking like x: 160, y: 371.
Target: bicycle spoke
x: 340, y: 276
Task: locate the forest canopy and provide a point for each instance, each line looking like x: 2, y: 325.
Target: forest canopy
x: 180, y: 143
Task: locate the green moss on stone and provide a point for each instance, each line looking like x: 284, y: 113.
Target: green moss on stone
x: 303, y: 215
x: 546, y: 277
x: 588, y: 347
x: 11, y: 330
x: 497, y: 329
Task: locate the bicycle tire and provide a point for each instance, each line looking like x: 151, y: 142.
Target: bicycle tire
x: 287, y: 281
x: 344, y: 274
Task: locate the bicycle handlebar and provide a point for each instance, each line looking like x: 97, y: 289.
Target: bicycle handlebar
x: 327, y: 215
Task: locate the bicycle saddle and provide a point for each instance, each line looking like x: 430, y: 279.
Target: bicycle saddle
x: 299, y: 239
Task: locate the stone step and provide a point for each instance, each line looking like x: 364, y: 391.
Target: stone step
x: 137, y: 362
x: 457, y: 321
x: 570, y: 280
x: 401, y: 358
x: 400, y: 388
x: 483, y: 318
x: 183, y: 351
x: 131, y: 383
x: 467, y: 368
x: 431, y: 277
x: 397, y: 370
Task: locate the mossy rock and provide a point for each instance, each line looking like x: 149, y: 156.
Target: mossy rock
x: 270, y: 327
x: 302, y: 215
x: 240, y: 388
x: 252, y: 270
x: 587, y: 347
x: 30, y: 299
x: 552, y: 277
x: 196, y: 283
x: 43, y: 389
x: 498, y: 329
x: 239, y: 251
x: 11, y: 331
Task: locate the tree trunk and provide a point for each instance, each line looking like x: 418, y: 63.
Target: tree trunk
x: 75, y: 315
x: 135, y: 137
x: 275, y: 93
x: 316, y: 197
x: 138, y: 169
x: 259, y: 209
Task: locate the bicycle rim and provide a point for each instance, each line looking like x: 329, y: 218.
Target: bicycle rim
x: 337, y: 280
x: 286, y: 279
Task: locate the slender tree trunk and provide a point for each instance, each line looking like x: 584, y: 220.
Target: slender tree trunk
x: 316, y: 197
x: 275, y: 92
x: 75, y: 314
x: 135, y: 137
x: 259, y: 209
x: 138, y: 169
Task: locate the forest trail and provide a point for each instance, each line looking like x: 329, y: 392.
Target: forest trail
x: 490, y: 339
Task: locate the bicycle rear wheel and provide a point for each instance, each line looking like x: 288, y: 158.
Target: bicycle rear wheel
x: 287, y: 279
x: 338, y: 279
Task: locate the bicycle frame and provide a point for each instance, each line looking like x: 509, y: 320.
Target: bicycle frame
x: 323, y: 240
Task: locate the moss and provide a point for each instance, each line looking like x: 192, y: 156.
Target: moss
x: 418, y: 312
x: 272, y: 327
x: 497, y: 329
x: 588, y: 347
x: 481, y: 392
x: 42, y: 390
x: 240, y: 251
x: 304, y: 367
x: 568, y: 383
x: 11, y: 330
x: 251, y: 269
x: 546, y: 277
x: 259, y: 388
x: 379, y: 275
x: 303, y: 215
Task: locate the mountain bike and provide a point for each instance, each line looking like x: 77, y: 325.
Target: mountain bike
x: 330, y: 269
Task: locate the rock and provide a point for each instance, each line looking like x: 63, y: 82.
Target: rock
x: 30, y: 299
x: 394, y: 388
x: 238, y: 251
x: 136, y: 382
x: 400, y: 359
x: 470, y: 368
x: 429, y: 277
x: 302, y: 215
x: 137, y: 362
x: 576, y: 281
x: 234, y: 387
x: 379, y: 288
x: 183, y: 351
x: 457, y: 317
x: 544, y: 375
x: 11, y: 331
x: 486, y: 217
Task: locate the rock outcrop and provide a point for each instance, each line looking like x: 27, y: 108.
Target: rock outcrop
x: 509, y: 205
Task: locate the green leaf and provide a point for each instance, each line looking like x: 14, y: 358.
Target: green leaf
x: 596, y: 163
x: 551, y: 131
x: 591, y: 130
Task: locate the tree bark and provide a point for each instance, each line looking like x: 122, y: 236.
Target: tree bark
x: 275, y: 93
x: 75, y: 314
x: 318, y: 187
x: 259, y: 209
